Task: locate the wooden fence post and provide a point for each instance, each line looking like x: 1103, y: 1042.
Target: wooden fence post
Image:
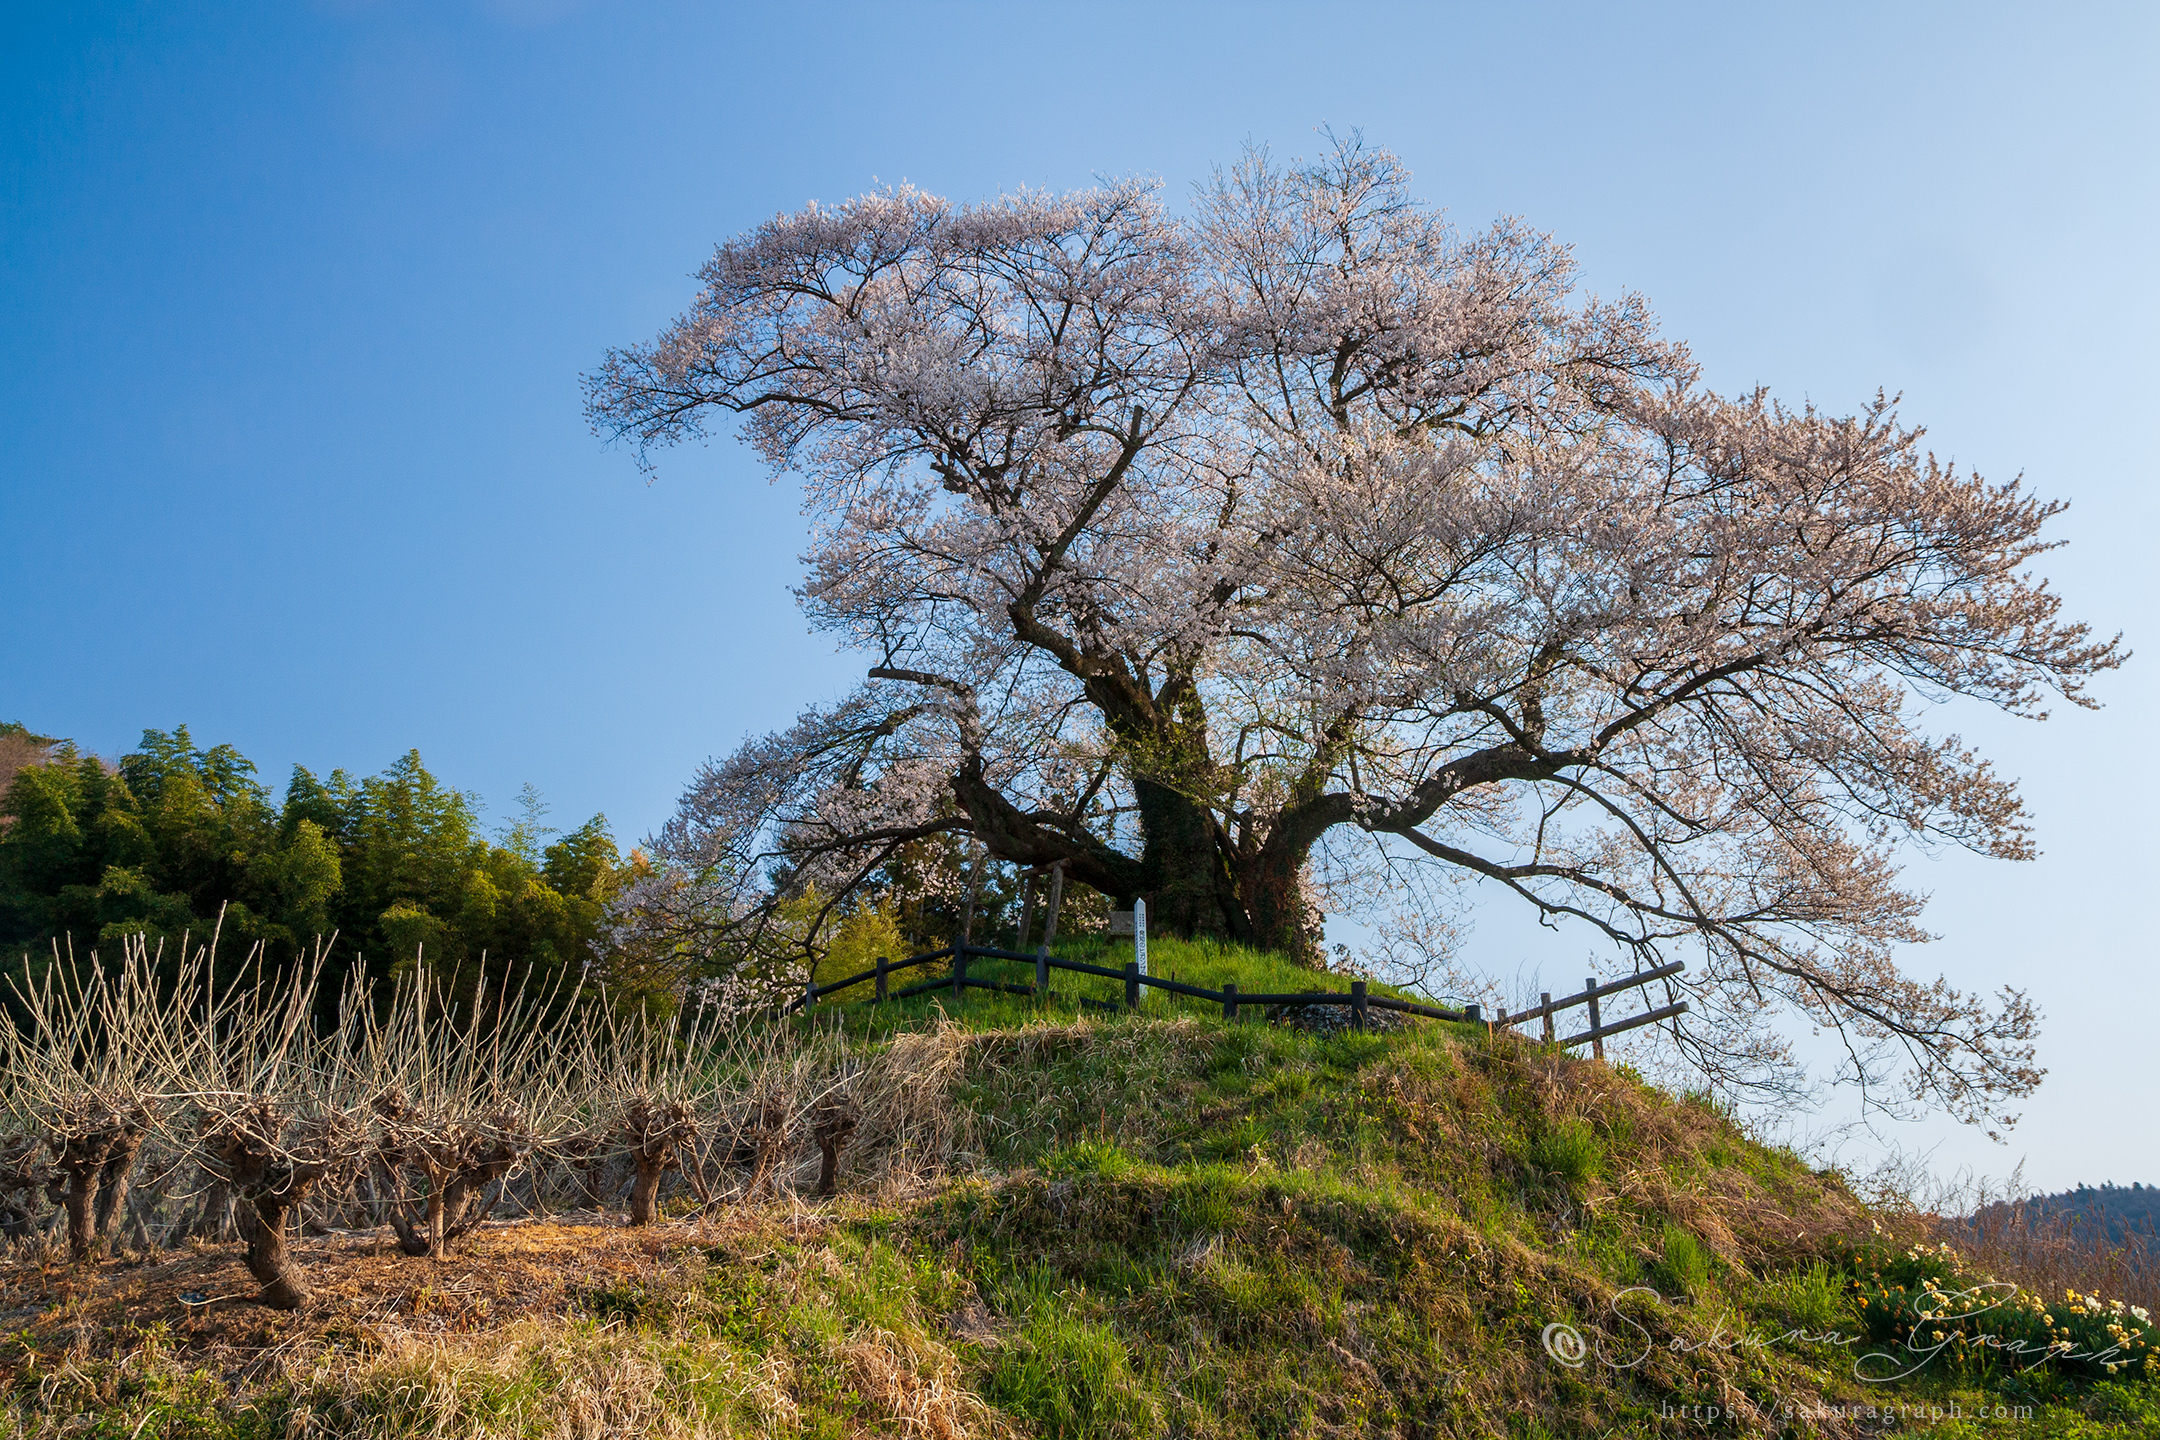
x: 959, y: 971
x: 1042, y: 969
x: 1357, y: 1004
x: 1229, y: 1001
x: 1132, y: 984
x: 809, y: 994
x: 881, y: 982
x: 1597, y: 1021
x: 1544, y: 999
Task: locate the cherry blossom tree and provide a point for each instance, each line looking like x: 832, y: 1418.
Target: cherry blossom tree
x: 1192, y: 551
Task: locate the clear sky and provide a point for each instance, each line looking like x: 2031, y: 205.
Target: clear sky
x: 293, y: 304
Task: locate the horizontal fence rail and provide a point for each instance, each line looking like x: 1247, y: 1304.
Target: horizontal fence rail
x: 1592, y: 992
x: 1231, y: 999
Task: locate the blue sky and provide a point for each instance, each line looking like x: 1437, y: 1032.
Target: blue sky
x: 293, y: 304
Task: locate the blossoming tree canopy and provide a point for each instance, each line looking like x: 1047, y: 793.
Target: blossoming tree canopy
x: 1232, y: 557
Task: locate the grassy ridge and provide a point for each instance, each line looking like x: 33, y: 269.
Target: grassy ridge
x: 1159, y: 1224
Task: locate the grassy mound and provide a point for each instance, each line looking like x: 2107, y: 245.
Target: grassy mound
x: 1069, y: 1223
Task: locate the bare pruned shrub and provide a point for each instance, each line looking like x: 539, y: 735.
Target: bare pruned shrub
x: 461, y: 1099
x: 276, y: 1106
x: 24, y: 1176
x: 408, y: 1109
x: 84, y: 1081
x: 649, y: 1087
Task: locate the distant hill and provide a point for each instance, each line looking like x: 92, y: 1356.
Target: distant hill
x: 2119, y: 1210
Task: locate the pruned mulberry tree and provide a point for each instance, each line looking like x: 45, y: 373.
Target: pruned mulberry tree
x: 1191, y: 550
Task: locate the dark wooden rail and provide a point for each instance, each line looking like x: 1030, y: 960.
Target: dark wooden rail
x: 1232, y: 999
x: 1589, y: 995
x: 1229, y: 997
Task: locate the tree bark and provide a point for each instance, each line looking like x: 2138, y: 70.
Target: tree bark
x: 832, y: 1128
x: 80, y: 1195
x: 1189, y: 889
x: 81, y: 1163
x: 652, y: 1168
x: 113, y: 1176
x: 1276, y: 909
x: 262, y: 1225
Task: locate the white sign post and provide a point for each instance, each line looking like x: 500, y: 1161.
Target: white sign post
x: 1139, y: 934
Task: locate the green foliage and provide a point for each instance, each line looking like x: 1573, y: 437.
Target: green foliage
x: 177, y: 840
x: 861, y: 937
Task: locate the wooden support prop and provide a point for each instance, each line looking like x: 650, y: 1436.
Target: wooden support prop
x: 1229, y: 1001
x: 882, y: 987
x: 1597, y: 1034
x: 1027, y: 910
x: 1357, y: 1004
x: 967, y: 916
x: 1132, y: 985
x: 809, y: 994
x: 1057, y: 898
x: 1544, y: 1001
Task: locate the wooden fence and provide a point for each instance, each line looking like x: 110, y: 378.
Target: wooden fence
x: 1591, y: 993
x: 1360, y: 1002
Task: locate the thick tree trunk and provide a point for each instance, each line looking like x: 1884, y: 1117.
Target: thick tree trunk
x: 832, y: 1128
x: 112, y: 1191
x: 79, y: 1201
x: 262, y: 1225
x: 1189, y: 889
x: 1275, y: 904
x: 652, y: 1168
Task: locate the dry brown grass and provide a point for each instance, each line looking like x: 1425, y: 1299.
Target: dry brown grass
x: 2049, y: 1254
x: 364, y: 1288
x: 500, y: 1341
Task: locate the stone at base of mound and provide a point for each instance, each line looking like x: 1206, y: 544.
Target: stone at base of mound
x: 1332, y: 1019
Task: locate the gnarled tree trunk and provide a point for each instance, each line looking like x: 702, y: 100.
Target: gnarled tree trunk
x: 832, y: 1126
x: 86, y: 1165
x: 262, y: 1218
x: 1190, y: 891
x: 113, y: 1177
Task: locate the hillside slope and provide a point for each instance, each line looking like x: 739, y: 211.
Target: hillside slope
x: 1100, y: 1225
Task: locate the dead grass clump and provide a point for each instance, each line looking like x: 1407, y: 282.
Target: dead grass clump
x: 907, y: 1129
x: 916, y: 1398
